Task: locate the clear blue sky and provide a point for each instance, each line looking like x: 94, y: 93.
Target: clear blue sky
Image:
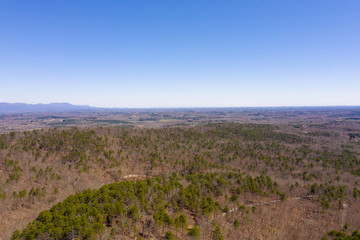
x: 184, y: 53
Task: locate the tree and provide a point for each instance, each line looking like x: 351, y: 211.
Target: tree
x: 194, y: 232
x: 16, y: 235
x: 236, y: 223
x: 183, y: 222
x: 170, y: 236
x: 216, y: 234
x: 356, y: 193
x: 282, y: 196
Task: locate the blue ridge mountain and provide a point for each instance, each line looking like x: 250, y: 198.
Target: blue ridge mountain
x: 36, y: 108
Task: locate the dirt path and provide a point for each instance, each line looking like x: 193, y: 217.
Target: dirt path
x: 135, y: 177
x: 266, y: 203
x: 343, y: 215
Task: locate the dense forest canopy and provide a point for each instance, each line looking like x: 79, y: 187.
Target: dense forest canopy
x: 194, y: 173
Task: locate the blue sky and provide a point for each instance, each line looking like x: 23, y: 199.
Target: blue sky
x: 184, y: 53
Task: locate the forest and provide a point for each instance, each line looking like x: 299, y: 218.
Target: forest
x: 212, y: 181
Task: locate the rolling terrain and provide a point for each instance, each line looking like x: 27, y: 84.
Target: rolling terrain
x: 292, y: 178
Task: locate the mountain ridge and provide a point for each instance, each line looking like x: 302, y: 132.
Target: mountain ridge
x: 40, y: 107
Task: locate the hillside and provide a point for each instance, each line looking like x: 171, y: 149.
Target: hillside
x: 222, y: 166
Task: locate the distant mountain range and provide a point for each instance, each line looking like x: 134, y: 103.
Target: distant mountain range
x: 38, y: 108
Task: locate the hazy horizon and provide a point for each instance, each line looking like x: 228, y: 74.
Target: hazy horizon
x: 181, y: 54
x: 195, y: 107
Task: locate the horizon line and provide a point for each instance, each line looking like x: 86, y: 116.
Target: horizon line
x: 184, y: 107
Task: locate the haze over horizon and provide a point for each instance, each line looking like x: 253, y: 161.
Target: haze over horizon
x: 140, y: 54
x: 11, y: 106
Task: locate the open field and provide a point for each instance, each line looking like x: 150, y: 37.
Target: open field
x: 298, y: 117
